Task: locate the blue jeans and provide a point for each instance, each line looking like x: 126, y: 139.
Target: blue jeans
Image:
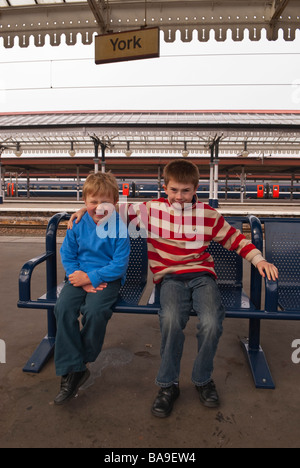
x: 75, y: 345
x: 177, y: 299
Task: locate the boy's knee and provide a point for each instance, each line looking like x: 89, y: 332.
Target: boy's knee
x: 60, y: 309
x: 96, y: 314
x: 211, y: 326
x: 171, y: 319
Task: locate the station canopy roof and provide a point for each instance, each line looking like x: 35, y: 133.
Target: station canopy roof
x: 39, y: 18
x: 138, y: 143
x: 150, y: 134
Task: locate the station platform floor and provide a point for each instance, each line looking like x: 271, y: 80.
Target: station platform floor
x: 113, y: 410
x: 262, y: 208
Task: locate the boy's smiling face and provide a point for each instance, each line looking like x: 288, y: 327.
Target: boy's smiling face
x: 92, y: 201
x: 180, y: 193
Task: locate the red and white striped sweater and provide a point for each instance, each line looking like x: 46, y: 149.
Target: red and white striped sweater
x: 178, y: 238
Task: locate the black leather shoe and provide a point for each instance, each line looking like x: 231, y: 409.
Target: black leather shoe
x: 208, y: 395
x: 163, y: 405
x: 70, y: 385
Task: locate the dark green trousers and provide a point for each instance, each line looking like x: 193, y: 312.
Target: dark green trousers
x: 76, y: 345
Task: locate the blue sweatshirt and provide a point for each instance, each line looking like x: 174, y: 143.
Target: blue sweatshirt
x: 100, y: 252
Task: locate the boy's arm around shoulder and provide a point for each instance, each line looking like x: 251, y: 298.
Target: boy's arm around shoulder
x: 128, y: 212
x: 77, y: 216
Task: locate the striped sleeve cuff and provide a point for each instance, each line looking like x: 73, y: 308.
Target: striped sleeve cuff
x: 257, y: 258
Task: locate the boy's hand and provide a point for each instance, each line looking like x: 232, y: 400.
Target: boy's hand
x: 79, y: 279
x: 76, y: 216
x: 89, y: 288
x: 268, y: 269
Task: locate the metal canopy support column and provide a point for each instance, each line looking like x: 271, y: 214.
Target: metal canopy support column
x: 214, y: 172
x: 2, y: 148
x: 78, y: 183
x: 96, y: 158
x: 159, y: 181
x: 103, y: 162
x: 216, y: 175
x: 28, y: 184
x: 211, y: 175
x: 292, y: 186
x: 243, y: 185
x: 98, y: 9
x: 279, y: 7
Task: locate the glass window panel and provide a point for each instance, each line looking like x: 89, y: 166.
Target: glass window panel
x: 21, y: 2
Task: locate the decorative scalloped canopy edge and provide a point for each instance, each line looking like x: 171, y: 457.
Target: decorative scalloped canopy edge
x: 91, y: 17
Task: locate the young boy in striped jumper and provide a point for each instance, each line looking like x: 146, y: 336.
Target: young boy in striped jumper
x: 179, y: 230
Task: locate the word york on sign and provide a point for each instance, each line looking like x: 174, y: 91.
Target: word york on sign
x: 131, y: 45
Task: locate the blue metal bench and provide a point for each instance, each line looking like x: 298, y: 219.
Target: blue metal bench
x: 282, y: 297
x: 229, y: 267
x: 283, y: 249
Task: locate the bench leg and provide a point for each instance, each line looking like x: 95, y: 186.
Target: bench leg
x: 45, y: 349
x: 41, y: 355
x: 256, y: 357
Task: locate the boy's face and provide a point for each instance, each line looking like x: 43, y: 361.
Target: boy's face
x: 92, y: 201
x: 180, y: 193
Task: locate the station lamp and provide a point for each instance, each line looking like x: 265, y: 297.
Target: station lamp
x: 245, y: 152
x: 185, y: 152
x: 128, y: 151
x: 18, y: 152
x: 72, y: 151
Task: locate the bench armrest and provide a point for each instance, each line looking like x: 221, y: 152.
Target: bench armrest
x: 26, y: 274
x: 256, y: 280
x: 271, y: 301
x: 50, y: 257
x: 256, y: 232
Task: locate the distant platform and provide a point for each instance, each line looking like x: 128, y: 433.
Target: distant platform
x: 226, y: 208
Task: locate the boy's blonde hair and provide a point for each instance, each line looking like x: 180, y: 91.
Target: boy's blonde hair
x: 105, y: 183
x: 183, y: 172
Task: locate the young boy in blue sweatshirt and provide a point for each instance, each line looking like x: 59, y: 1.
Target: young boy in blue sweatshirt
x: 95, y: 255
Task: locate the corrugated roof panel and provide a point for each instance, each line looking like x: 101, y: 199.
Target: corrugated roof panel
x: 145, y: 118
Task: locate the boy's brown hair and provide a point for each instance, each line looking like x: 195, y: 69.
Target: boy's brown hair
x: 105, y: 183
x: 183, y: 172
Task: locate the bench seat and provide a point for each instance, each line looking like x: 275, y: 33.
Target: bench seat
x: 229, y: 268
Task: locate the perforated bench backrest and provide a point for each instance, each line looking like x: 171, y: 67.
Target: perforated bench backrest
x: 283, y: 249
x: 136, y: 278
x: 228, y: 265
